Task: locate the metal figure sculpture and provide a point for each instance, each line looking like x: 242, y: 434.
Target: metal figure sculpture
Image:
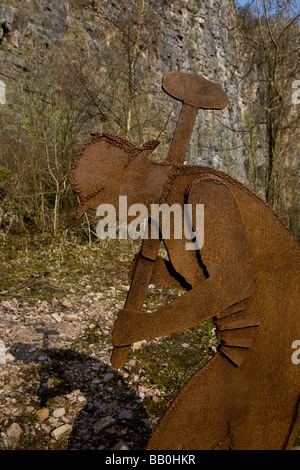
x: 245, y: 277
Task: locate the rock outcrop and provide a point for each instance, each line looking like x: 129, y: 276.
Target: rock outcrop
x: 190, y: 36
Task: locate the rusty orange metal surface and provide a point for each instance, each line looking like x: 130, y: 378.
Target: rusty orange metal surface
x: 245, y: 277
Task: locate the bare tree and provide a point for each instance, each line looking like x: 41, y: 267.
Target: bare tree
x: 270, y: 36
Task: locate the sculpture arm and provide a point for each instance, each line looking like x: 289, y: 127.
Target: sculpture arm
x: 227, y: 256
x: 164, y: 274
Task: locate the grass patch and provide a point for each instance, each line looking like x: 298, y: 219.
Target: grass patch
x: 168, y: 365
x: 40, y: 268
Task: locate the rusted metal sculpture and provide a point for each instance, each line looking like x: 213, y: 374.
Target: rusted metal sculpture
x: 246, y: 278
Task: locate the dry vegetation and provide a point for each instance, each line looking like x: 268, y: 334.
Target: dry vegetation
x: 66, y: 92
x: 270, y: 46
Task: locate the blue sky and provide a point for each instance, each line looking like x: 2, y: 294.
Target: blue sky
x: 243, y: 2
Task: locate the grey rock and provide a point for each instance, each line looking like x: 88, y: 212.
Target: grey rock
x: 2, y: 353
x: 125, y: 414
x: 46, y: 428
x: 14, y: 433
x: 103, y: 424
x: 61, y: 432
x: 67, y: 303
x: 58, y: 412
x: 120, y: 445
x: 108, y: 377
x: 4, y: 441
x: 6, y: 304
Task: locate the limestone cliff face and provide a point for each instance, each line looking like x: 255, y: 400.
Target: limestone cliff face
x: 194, y: 36
x: 198, y: 37
x: 24, y: 23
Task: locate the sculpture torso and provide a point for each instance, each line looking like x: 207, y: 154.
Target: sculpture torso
x: 246, y: 276
x: 256, y: 334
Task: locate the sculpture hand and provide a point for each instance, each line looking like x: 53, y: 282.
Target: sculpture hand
x: 128, y: 327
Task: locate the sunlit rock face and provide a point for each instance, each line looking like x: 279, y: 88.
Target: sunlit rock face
x: 187, y: 35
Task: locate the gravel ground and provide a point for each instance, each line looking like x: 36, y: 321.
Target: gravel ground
x: 57, y: 388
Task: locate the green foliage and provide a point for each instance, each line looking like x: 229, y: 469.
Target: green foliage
x: 4, y: 174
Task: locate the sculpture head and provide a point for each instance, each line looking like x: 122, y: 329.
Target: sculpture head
x: 108, y: 166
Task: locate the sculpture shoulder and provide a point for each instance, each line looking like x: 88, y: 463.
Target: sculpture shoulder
x: 208, y: 179
x: 254, y: 209
x: 208, y: 187
x: 192, y: 178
